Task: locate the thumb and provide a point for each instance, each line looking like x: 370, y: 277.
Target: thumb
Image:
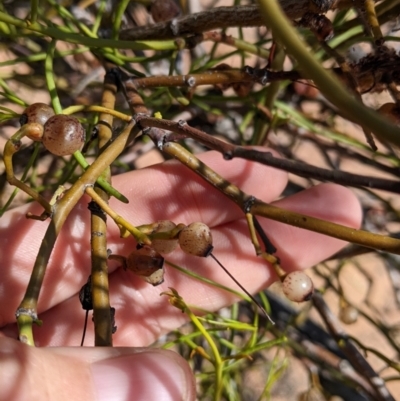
x: 112, y: 374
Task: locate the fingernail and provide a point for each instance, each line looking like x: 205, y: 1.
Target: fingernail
x: 148, y: 375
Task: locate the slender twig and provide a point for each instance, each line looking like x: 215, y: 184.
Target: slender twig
x: 66, y: 35
x: 260, y: 208
x: 368, y: 74
x: 354, y: 356
x: 98, y: 233
x: 223, y: 17
x: 239, y: 44
x: 124, y: 225
x: 326, y: 82
x: 230, y: 151
x: 10, y: 148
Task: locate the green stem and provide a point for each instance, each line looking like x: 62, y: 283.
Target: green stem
x: 119, y: 12
x: 259, y: 208
x: 34, y: 11
x: 100, y: 180
x: 97, y: 109
x: 177, y: 301
x: 51, y: 84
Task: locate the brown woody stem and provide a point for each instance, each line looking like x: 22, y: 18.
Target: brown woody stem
x: 260, y: 208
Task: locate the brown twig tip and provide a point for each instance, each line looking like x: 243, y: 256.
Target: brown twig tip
x: 354, y: 356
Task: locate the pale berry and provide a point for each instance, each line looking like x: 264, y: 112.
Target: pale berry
x: 196, y: 239
x: 63, y: 135
x: 298, y: 287
x: 36, y: 113
x: 348, y: 314
x: 164, y: 246
x: 34, y: 117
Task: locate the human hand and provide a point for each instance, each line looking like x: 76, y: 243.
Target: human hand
x: 162, y: 192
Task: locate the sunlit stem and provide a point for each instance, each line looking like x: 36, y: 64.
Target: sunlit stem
x: 177, y: 301
x: 119, y: 220
x: 97, y: 109
x: 373, y: 20
x: 271, y: 259
x: 100, y: 180
x: 11, y: 147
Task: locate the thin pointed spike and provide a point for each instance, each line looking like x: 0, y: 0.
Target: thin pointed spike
x: 243, y: 289
x: 84, y: 327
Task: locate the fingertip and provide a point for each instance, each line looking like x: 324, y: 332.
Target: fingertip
x: 76, y: 373
x: 30, y: 373
x: 150, y: 375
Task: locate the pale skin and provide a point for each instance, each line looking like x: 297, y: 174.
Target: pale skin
x: 168, y: 191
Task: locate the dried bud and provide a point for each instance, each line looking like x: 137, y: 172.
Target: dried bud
x: 319, y: 24
x: 146, y: 263
x: 164, y: 245
x: 391, y: 111
x: 164, y: 10
x: 348, y: 314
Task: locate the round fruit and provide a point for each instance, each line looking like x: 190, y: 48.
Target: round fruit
x: 298, y: 287
x: 164, y: 245
x: 63, y: 135
x: 348, y: 314
x: 36, y: 113
x: 148, y: 264
x: 392, y: 111
x: 196, y: 239
x: 164, y: 10
x: 35, y: 116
